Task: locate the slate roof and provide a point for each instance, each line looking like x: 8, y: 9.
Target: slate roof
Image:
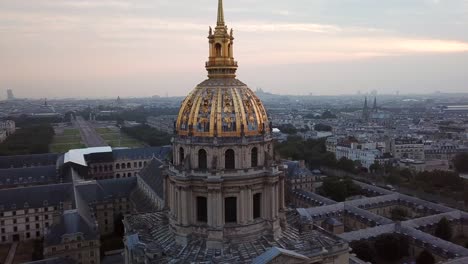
x: 21, y: 161
x: 152, y: 175
x: 53, y: 260
x: 30, y: 175
x: 151, y: 232
x: 71, y: 222
x: 97, y: 191
x: 274, y: 252
x: 141, y: 153
x: 295, y: 170
x: 35, y: 196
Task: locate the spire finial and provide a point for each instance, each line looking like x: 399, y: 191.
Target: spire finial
x: 220, y: 14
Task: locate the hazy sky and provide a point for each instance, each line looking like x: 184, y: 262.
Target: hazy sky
x: 105, y: 48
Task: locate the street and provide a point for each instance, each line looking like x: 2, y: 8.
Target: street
x: 89, y: 136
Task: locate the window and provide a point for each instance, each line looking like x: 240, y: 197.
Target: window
x: 14, y: 221
x: 123, y: 165
x: 27, y: 227
x: 38, y: 233
x: 218, y: 50
x: 129, y: 165
x: 254, y: 157
x: 117, y: 166
x: 37, y: 226
x: 229, y: 160
x: 257, y: 204
x: 202, y: 211
x: 181, y: 156
x: 28, y: 235
x: 140, y: 164
x: 230, y: 210
x: 15, y: 229
x: 202, y: 159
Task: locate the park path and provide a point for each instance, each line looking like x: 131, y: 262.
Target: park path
x: 11, y: 253
x: 88, y: 134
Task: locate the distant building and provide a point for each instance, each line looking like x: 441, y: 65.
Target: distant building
x: 10, y: 95
x: 8, y: 126
x: 407, y: 148
x: 163, y: 123
x: 365, y: 111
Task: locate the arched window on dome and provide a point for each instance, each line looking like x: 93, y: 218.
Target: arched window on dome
x: 254, y: 157
x: 229, y: 160
x: 202, y: 159
x: 181, y: 156
x: 218, y: 49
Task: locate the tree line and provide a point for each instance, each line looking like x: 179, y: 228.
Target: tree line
x: 33, y: 139
x: 149, y: 135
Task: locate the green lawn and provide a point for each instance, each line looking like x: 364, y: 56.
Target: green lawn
x: 70, y: 138
x: 113, y: 138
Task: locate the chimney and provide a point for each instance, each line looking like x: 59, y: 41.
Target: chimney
x: 302, y: 164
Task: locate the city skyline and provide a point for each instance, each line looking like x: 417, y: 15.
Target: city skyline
x: 88, y: 49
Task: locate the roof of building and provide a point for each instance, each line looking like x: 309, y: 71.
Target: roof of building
x: 77, y: 156
x: 36, y: 196
x: 141, y: 153
x: 53, y: 260
x: 152, y: 175
x: 239, y: 111
x: 295, y: 169
x: 29, y: 175
x: 71, y: 222
x: 151, y: 233
x: 97, y: 191
x: 275, y: 252
x: 33, y: 160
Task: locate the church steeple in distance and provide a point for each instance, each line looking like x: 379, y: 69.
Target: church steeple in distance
x: 374, y: 107
x: 221, y: 63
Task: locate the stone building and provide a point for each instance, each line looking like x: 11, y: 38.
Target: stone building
x: 407, y: 148
x: 72, y: 237
x: 224, y: 193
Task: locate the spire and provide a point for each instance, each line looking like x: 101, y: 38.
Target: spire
x: 365, y: 103
x: 221, y: 63
x: 220, y: 22
x: 375, y: 103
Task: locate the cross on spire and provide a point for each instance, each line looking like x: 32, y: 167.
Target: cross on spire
x: 220, y: 22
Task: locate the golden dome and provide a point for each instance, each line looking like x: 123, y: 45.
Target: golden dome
x: 222, y: 108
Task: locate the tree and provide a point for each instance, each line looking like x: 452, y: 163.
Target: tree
x: 391, y: 247
x: 288, y: 129
x: 406, y: 173
x: 443, y: 229
x: 425, y: 257
x: 346, y: 165
x: 375, y: 167
x: 339, y: 189
x: 364, y: 250
x: 461, y: 162
x: 399, y: 214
